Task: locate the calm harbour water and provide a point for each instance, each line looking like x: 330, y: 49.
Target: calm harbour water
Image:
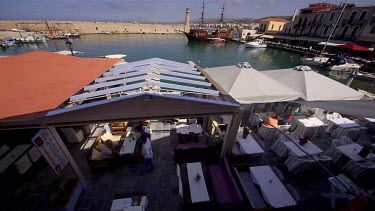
x: 176, y: 47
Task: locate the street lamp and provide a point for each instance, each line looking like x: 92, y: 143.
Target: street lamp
x: 70, y: 46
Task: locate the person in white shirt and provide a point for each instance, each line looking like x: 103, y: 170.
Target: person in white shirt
x: 147, y: 154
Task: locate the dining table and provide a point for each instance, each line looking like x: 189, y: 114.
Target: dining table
x: 248, y: 145
x: 186, y: 129
x: 351, y: 151
x: 311, y: 126
x: 308, y: 147
x: 195, y: 183
x: 273, y: 190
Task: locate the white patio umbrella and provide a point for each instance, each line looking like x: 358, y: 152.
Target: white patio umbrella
x: 313, y: 86
x: 247, y: 85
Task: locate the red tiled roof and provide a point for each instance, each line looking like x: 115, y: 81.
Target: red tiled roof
x: 33, y: 83
x: 275, y: 19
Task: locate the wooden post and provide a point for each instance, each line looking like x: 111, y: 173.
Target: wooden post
x: 231, y: 133
x: 72, y: 163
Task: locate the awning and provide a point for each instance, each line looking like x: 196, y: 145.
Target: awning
x: 285, y: 37
x: 334, y: 42
x: 353, y: 47
x: 310, y: 39
x: 267, y: 36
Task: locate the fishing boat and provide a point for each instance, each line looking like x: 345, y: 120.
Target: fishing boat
x: 69, y: 53
x: 9, y: 43
x: 203, y: 34
x: 216, y: 40
x: 257, y: 43
x: 31, y: 39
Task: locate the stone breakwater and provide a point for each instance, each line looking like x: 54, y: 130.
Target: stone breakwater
x: 92, y: 27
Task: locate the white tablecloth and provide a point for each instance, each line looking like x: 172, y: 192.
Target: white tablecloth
x: 343, y: 127
x: 273, y: 190
x: 310, y: 127
x: 186, y: 129
x: 351, y: 151
x: 248, y: 145
x: 198, y: 189
x: 309, y: 147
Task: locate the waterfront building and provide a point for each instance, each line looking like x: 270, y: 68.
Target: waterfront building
x: 272, y: 25
x: 356, y: 23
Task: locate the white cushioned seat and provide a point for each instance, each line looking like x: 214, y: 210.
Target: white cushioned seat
x: 34, y: 154
x: 23, y: 164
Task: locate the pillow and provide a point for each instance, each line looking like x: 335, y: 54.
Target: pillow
x: 3, y: 149
x: 99, y: 146
x: 106, y: 136
x: 96, y: 155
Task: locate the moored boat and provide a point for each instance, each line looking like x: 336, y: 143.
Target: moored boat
x: 315, y: 61
x: 340, y: 64
x: 216, y: 40
x: 31, y: 39
x: 72, y: 35
x: 257, y: 43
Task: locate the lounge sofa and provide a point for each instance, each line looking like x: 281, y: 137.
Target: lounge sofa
x: 227, y: 193
x: 95, y: 157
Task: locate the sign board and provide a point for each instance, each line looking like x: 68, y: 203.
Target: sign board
x: 47, y: 145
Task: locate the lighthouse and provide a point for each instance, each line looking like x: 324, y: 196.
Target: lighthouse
x: 187, y: 20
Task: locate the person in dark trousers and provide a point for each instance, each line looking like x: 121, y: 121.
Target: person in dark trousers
x: 147, y: 154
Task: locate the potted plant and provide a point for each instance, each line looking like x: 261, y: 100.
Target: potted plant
x: 245, y: 132
x: 65, y: 193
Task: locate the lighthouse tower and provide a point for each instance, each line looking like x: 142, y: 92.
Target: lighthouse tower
x: 187, y: 20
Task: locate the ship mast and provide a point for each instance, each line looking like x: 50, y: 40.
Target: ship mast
x: 49, y: 29
x: 202, y: 18
x: 222, y: 14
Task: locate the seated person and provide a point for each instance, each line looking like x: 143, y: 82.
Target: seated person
x: 287, y: 121
x: 109, y: 150
x: 272, y: 121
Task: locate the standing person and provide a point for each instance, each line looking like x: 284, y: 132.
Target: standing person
x: 147, y: 154
x: 143, y: 131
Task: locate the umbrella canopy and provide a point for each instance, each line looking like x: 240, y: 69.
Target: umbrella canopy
x: 313, y: 86
x: 353, y: 47
x: 247, y: 85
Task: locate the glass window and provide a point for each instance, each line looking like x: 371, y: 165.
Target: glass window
x: 332, y: 16
x: 280, y: 28
x: 272, y: 26
x: 372, y: 31
x: 315, y: 17
x: 363, y: 15
x: 321, y: 17
x: 326, y: 30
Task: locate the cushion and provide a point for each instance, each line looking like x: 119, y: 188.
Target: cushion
x: 96, y: 155
x: 106, y: 136
x: 116, y: 138
x: 3, y: 149
x: 34, y: 154
x: 23, y: 164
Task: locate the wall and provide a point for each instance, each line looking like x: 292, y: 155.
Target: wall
x: 92, y: 27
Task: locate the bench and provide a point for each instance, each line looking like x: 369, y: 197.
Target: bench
x: 227, y: 193
x: 248, y: 187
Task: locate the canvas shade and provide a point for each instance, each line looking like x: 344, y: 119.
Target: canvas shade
x: 247, y: 85
x: 353, y: 47
x: 313, y: 86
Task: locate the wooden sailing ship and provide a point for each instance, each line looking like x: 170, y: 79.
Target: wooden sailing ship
x: 203, y: 34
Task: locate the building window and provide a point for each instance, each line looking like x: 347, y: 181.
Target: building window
x: 280, y: 28
x: 321, y: 17
x: 372, y: 31
x: 285, y: 30
x: 272, y: 26
x: 315, y: 17
x: 332, y: 16
x: 289, y: 30
x: 326, y: 30
x: 363, y: 15
x: 354, y: 31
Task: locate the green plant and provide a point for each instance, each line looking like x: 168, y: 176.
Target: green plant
x: 311, y: 113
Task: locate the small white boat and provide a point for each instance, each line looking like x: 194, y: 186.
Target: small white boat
x: 257, y: 43
x: 116, y: 56
x: 31, y: 39
x: 72, y: 35
x: 216, y: 40
x: 315, y: 61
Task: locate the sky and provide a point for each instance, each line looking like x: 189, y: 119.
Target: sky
x: 149, y: 10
